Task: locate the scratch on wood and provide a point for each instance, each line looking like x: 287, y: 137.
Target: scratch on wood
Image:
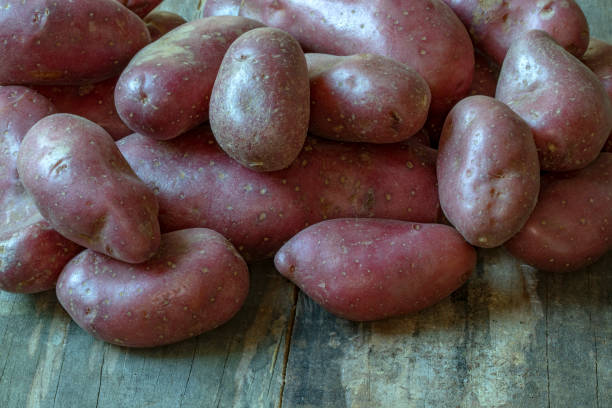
x: 195, y: 347
x: 218, y: 394
x: 594, y: 329
x: 288, y: 344
x: 100, y: 380
x: 546, y: 323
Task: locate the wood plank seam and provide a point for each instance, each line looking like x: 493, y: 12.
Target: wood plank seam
x: 288, y: 337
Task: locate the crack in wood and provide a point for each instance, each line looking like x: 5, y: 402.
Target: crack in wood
x: 195, y: 348
x: 288, y: 337
x: 100, y: 380
x: 546, y: 304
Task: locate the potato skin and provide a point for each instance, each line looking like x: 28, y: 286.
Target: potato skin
x: 423, y: 34
x: 486, y: 73
x: 570, y: 226
x: 195, y: 282
x: 32, y: 254
x: 86, y: 190
x: 141, y: 7
x: 95, y: 102
x: 495, y: 25
x: 161, y: 22
x: 221, y: 8
x: 165, y: 90
x: 260, y: 106
x: 598, y: 58
x: 41, y: 41
x: 488, y: 171
x: 365, y: 98
x: 259, y: 211
x: 563, y: 102
x: 372, y: 269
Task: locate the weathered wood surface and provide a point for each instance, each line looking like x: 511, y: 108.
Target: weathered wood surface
x: 511, y: 337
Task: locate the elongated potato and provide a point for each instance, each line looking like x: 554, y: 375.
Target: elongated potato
x: 423, y: 34
x: 198, y: 185
x: 165, y: 90
x: 570, y: 226
x: 598, y: 58
x: 495, y: 25
x: 365, y: 98
x: 563, y: 102
x: 488, y: 171
x: 161, y: 22
x: 195, y: 282
x: 41, y: 41
x: 95, y: 102
x: 259, y: 107
x: 32, y: 254
x: 86, y: 190
x: 371, y: 269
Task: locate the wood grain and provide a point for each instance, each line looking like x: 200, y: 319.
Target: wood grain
x: 511, y: 337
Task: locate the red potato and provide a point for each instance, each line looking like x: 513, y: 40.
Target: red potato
x: 372, y: 269
x: 221, y: 8
x: 486, y: 73
x: 32, y: 254
x: 86, y: 190
x: 48, y: 49
x: 563, y: 102
x: 195, y: 282
x: 95, y: 102
x: 423, y: 34
x: 141, y: 7
x: 570, y: 226
x: 161, y: 22
x: 598, y: 58
x: 365, y: 98
x: 258, y: 211
x: 496, y: 25
x: 165, y: 90
x: 488, y: 171
x: 260, y: 106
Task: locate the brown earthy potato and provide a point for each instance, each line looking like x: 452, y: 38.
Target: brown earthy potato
x: 371, y: 269
x: 562, y: 101
x: 423, y: 34
x: 198, y: 185
x: 365, y: 98
x: 32, y: 254
x: 221, y: 8
x: 486, y: 73
x: 496, y: 25
x: 598, y: 58
x: 195, y: 282
x: 259, y: 107
x: 86, y: 190
x: 161, y: 22
x: 140, y: 7
x: 52, y: 42
x: 570, y: 226
x: 165, y: 90
x: 95, y: 102
x: 488, y: 171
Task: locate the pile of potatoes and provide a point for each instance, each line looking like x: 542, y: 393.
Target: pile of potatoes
x: 146, y: 160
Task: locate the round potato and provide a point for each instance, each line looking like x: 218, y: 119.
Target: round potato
x: 564, y: 103
x: 570, y: 226
x: 365, y: 98
x: 259, y: 107
x: 194, y: 283
x: 488, y: 171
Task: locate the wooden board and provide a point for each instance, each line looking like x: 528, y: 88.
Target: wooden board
x: 511, y: 337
